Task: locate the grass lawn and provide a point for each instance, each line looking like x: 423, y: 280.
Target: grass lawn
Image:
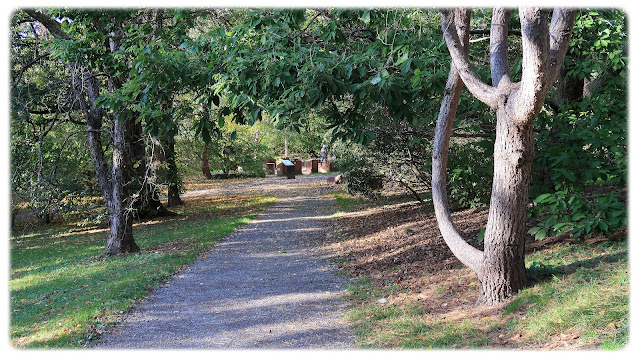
x: 63, y: 296
x: 412, y: 293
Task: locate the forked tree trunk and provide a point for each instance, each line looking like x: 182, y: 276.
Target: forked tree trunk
x: 500, y: 266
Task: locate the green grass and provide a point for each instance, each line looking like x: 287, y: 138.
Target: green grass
x: 346, y: 201
x: 580, y: 298
x: 63, y: 296
x: 586, y: 292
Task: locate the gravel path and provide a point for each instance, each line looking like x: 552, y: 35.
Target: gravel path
x: 269, y: 285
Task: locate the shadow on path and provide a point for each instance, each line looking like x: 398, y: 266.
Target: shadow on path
x: 268, y: 285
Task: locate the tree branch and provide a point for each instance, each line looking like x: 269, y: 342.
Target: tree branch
x: 52, y: 25
x: 528, y: 100
x: 485, y: 93
x: 560, y: 31
x: 26, y: 67
x: 543, y: 49
x: 498, y: 47
x: 467, y: 254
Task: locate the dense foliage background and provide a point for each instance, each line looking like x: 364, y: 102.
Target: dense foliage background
x: 229, y: 85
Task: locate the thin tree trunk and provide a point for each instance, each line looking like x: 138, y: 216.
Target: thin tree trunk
x: 147, y: 203
x: 468, y: 255
x: 204, y: 163
x: 286, y: 147
x: 93, y: 118
x: 173, y: 178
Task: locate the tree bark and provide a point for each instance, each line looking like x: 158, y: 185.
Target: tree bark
x: 286, y: 146
x: 204, y: 163
x: 120, y: 239
x: 173, y: 198
x: 503, y: 271
x: 500, y: 266
x: 93, y: 118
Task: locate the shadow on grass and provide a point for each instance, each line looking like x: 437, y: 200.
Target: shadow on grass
x: 541, y: 273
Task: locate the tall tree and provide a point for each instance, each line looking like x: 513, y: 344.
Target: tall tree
x: 500, y: 266
x: 86, y: 88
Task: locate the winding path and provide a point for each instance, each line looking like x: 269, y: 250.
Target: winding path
x: 269, y: 285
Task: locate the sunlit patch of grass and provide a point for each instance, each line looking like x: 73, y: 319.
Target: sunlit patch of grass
x: 63, y: 295
x: 586, y: 298
x: 579, y: 299
x: 345, y: 201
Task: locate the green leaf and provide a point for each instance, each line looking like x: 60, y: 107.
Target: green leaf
x: 402, y: 59
x: 543, y: 198
x: 366, y: 16
x: 480, y: 237
x: 604, y: 226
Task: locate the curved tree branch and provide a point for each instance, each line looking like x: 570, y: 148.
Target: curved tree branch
x: 485, y: 93
x: 468, y: 255
x: 52, y: 25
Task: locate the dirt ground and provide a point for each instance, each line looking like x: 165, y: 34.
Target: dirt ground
x: 400, y: 246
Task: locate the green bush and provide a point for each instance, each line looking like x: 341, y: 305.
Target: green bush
x: 362, y: 174
x: 470, y: 173
x: 579, y: 171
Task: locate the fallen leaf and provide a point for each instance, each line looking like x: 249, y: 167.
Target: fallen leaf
x: 601, y: 312
x: 472, y: 284
x: 516, y: 337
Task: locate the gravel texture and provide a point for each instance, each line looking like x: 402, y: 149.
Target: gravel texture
x: 269, y: 285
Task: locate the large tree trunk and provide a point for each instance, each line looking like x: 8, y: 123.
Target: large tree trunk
x: 503, y: 256
x: 120, y: 239
x: 500, y: 267
x: 85, y: 88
